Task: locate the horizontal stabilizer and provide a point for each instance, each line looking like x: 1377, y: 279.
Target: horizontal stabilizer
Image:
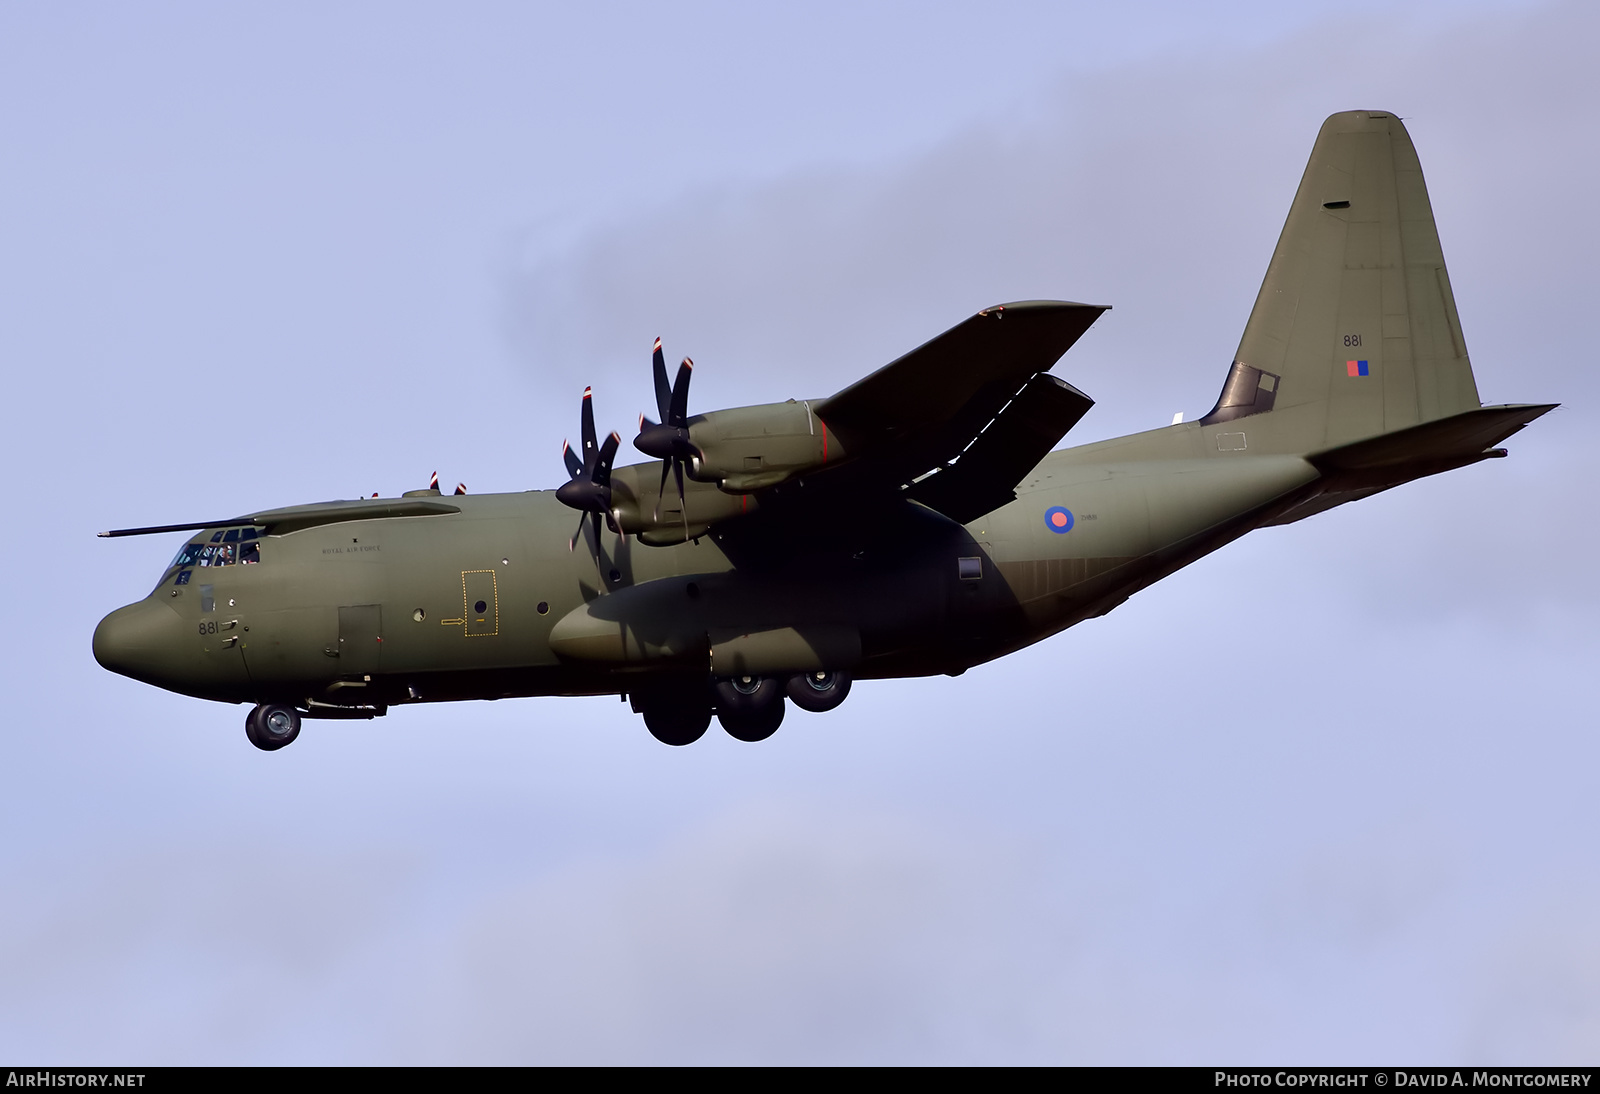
x: 986, y: 475
x: 1425, y: 449
x: 1354, y: 471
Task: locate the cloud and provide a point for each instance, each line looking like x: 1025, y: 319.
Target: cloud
x: 1158, y: 188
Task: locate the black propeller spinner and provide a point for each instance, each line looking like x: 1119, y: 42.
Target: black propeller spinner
x: 589, y: 491
x: 669, y: 441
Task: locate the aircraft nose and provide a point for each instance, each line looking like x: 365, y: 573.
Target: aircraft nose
x: 138, y: 641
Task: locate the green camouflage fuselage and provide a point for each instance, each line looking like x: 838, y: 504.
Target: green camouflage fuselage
x: 384, y: 610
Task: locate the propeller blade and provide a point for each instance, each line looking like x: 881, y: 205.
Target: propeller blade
x: 601, y: 475
x: 663, y: 392
x: 572, y: 544
x: 683, y: 501
x: 461, y: 488
x: 574, y: 465
x: 589, y: 446
x: 680, y: 395
x: 595, y: 518
x: 433, y: 483
x: 661, y: 491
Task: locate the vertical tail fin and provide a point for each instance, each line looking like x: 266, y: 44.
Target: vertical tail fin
x: 1355, y: 331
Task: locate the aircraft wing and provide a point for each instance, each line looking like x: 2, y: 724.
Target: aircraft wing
x: 968, y: 413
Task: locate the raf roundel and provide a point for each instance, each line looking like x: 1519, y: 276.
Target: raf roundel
x: 1058, y: 519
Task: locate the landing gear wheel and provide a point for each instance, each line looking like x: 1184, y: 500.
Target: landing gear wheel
x: 270, y: 726
x: 677, y: 723
x: 819, y: 692
x: 750, y: 708
x: 741, y: 694
x: 753, y: 725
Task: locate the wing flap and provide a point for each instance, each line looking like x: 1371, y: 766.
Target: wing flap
x: 986, y: 474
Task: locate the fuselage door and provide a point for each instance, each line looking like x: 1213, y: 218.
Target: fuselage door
x: 219, y: 637
x: 360, y: 639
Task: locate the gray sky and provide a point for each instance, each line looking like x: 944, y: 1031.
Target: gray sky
x: 252, y: 260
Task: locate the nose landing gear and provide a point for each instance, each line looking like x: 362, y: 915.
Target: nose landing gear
x: 270, y: 726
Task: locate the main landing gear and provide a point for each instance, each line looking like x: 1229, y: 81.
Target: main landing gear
x: 677, y: 724
x: 270, y: 726
x: 818, y: 692
x: 750, y: 708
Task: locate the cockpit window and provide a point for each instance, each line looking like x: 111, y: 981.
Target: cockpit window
x: 224, y: 548
x: 187, y: 555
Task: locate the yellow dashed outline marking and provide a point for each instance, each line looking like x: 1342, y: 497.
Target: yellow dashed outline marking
x: 494, y: 584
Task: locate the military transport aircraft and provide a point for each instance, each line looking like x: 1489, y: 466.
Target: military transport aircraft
x: 917, y: 522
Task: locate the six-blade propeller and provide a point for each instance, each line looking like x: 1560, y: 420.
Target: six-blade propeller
x: 669, y: 440
x: 589, y: 490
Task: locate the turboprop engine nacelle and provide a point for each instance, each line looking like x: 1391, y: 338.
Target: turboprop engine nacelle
x: 754, y: 447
